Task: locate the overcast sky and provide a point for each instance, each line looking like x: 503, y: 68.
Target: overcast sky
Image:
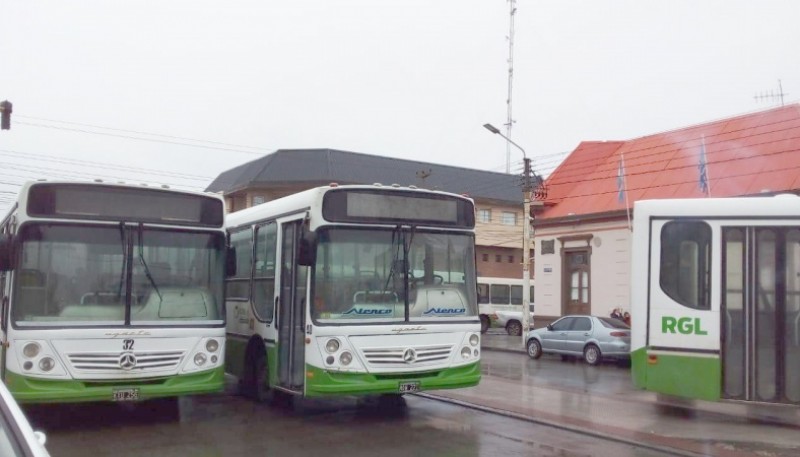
x: 222, y: 83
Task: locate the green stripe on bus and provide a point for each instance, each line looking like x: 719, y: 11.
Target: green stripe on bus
x: 36, y: 390
x: 322, y: 382
x: 682, y: 375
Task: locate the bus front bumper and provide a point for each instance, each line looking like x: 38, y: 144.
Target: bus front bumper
x: 36, y: 390
x: 321, y: 382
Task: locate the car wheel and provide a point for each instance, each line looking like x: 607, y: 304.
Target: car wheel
x: 514, y: 328
x: 484, y: 323
x: 534, y: 349
x: 591, y: 354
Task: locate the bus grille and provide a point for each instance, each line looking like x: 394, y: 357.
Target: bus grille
x: 115, y: 362
x: 407, y: 356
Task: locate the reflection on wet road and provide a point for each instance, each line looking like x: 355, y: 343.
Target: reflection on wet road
x: 573, y: 374
x: 227, y: 425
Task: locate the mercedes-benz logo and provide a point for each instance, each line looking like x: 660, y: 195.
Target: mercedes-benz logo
x: 127, y: 361
x: 409, y: 356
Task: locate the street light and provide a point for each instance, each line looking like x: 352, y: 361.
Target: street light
x: 526, y: 237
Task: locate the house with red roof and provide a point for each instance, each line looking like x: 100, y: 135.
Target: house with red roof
x: 582, y: 232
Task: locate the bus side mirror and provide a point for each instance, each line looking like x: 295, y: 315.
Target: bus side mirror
x: 306, y: 252
x: 230, y: 263
x: 6, y: 252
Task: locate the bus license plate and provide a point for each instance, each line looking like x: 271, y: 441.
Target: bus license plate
x: 126, y: 395
x: 409, y: 387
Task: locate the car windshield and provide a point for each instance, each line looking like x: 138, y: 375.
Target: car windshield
x: 610, y: 322
x: 396, y: 275
x: 90, y: 275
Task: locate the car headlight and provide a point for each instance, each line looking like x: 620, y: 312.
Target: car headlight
x: 199, y: 359
x: 474, y: 339
x: 47, y: 364
x: 212, y: 345
x: 332, y: 345
x: 466, y: 352
x: 31, y: 350
x: 345, y: 358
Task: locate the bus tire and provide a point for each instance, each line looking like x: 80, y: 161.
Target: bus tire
x: 484, y: 323
x: 592, y: 354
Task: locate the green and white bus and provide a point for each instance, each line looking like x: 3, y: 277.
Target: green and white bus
x: 715, y: 298
x: 354, y: 290
x: 112, y: 292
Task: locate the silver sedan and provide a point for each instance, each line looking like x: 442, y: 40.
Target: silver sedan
x: 590, y: 337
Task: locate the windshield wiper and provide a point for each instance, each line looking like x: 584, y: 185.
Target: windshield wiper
x: 124, y: 259
x: 144, y: 264
x: 396, y: 239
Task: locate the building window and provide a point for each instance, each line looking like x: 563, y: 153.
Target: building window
x: 511, y: 259
x: 485, y: 257
x: 509, y: 218
x: 258, y: 199
x: 498, y: 258
x: 484, y: 215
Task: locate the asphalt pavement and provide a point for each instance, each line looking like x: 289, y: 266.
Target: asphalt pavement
x: 604, y: 400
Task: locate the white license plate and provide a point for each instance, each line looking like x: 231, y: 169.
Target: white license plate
x: 408, y: 387
x: 125, y: 395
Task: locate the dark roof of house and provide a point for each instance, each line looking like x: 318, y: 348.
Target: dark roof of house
x: 744, y: 155
x: 322, y: 166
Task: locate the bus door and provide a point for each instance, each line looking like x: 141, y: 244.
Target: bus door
x: 291, y: 311
x: 761, y: 314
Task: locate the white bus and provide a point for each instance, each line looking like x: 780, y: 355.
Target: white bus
x: 111, y: 292
x: 715, y: 292
x: 354, y: 290
x: 500, y: 303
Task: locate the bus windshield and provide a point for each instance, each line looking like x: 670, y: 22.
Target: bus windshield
x: 72, y: 275
x: 400, y: 275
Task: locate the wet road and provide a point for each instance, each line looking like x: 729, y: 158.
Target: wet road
x: 227, y: 425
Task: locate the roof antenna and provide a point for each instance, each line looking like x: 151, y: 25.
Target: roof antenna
x: 771, y: 96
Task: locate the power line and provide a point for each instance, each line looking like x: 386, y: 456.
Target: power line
x: 129, y: 137
x: 139, y: 132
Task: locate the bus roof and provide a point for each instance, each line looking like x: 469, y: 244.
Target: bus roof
x: 782, y: 205
x: 304, y: 200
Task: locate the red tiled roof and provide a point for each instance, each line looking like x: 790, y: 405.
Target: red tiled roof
x: 745, y: 155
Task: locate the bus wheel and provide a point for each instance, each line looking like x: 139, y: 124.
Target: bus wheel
x: 514, y: 328
x: 484, y: 323
x: 591, y: 354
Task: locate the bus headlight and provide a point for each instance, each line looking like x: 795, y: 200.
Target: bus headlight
x: 47, y: 364
x: 212, y: 345
x: 345, y: 358
x: 474, y: 339
x: 466, y: 352
x: 31, y: 350
x: 332, y: 345
x: 199, y: 359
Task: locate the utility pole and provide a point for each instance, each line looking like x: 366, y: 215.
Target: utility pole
x: 5, y: 115
x: 510, y: 118
x: 527, y: 191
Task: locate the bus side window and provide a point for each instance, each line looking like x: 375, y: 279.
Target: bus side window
x: 483, y: 293
x: 500, y: 294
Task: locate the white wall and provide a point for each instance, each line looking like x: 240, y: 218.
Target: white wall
x: 610, y: 266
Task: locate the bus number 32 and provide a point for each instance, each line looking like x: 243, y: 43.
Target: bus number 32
x: 127, y: 345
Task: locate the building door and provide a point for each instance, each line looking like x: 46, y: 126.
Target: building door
x: 761, y: 314
x: 576, y: 282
